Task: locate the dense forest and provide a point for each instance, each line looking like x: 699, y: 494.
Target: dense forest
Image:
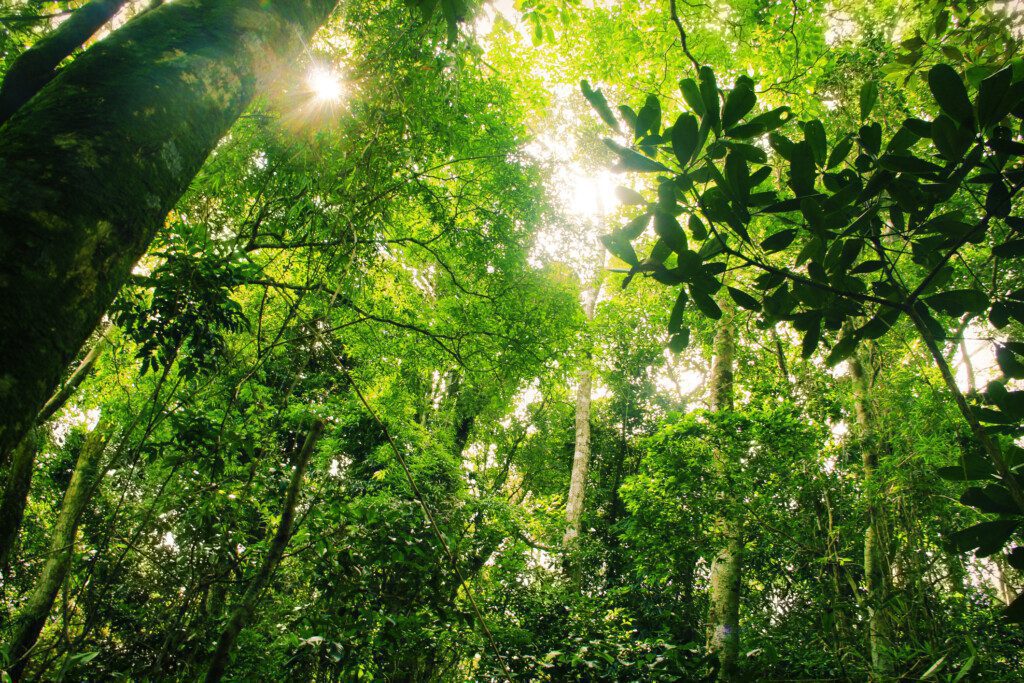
x: 545, y: 340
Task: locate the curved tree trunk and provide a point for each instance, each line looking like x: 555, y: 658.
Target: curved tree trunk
x: 724, y: 599
x: 36, y: 66
x: 29, y: 621
x: 91, y: 165
x: 879, y: 635
x: 246, y: 606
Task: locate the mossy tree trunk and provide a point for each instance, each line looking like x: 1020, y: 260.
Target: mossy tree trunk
x: 723, y: 622
x: 875, y: 581
x: 36, y: 66
x: 244, y: 610
x: 92, y: 164
x: 29, y: 622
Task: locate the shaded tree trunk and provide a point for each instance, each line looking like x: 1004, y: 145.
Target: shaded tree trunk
x: 29, y: 621
x: 724, y: 599
x: 91, y: 165
x: 36, y: 66
x: 875, y: 583
x: 246, y: 606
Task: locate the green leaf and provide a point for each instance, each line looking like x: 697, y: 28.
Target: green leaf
x: 1009, y: 249
x: 630, y: 160
x: 599, y: 103
x: 949, y: 91
x: 779, y: 240
x: 842, y: 350
x: 814, y: 133
x: 628, y: 196
x: 1014, y: 612
x: 709, y: 96
x: 684, y: 138
x: 675, y: 319
x: 705, y: 303
x: 992, y: 94
x: 801, y: 169
x: 679, y: 341
x: 840, y: 152
x: 868, y: 97
x: 1008, y: 362
x: 986, y: 537
x: 811, y: 339
x: 744, y: 300
x: 669, y: 230
x: 621, y: 248
x: 956, y: 302
x: 739, y: 102
x: 908, y: 164
x: 649, y: 117
x: 691, y: 94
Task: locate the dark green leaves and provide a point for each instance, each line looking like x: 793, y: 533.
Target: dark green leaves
x: 691, y: 94
x: 779, y: 240
x: 599, y: 103
x: 956, y: 302
x: 744, y: 300
x: 684, y: 138
x: 739, y: 102
x: 950, y: 92
x: 630, y: 160
x: 868, y: 97
x: 986, y: 537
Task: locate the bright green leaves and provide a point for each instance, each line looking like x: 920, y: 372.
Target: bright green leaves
x: 949, y: 91
x: 599, y: 103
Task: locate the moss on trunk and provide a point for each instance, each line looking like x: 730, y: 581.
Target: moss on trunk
x: 90, y: 167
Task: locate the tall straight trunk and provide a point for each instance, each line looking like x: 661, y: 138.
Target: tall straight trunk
x: 246, y: 606
x: 875, y: 583
x: 92, y: 164
x: 36, y: 66
x: 581, y: 450
x: 29, y: 621
x: 724, y: 583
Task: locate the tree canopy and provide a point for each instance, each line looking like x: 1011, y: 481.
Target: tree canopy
x: 521, y: 341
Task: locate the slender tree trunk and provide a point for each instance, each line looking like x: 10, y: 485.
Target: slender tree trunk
x: 19, y: 476
x: 246, y: 606
x: 581, y: 451
x: 36, y: 66
x: 91, y: 165
x: 12, y: 505
x: 879, y: 632
x: 29, y: 621
x: 724, y: 606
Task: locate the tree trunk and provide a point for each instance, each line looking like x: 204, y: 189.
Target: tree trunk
x: 29, y: 621
x: 12, y: 506
x: 724, y: 599
x: 36, y: 66
x: 243, y: 611
x: 92, y: 164
x: 875, y: 583
x: 581, y: 451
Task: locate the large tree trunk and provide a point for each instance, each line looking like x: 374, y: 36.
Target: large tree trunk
x: 243, y: 611
x: 581, y: 451
x: 92, y: 164
x: 724, y: 599
x: 30, y: 619
x: 36, y: 66
x: 874, y: 556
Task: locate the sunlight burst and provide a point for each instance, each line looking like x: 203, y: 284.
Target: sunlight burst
x: 324, y: 84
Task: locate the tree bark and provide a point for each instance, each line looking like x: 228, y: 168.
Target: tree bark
x: 875, y: 583
x: 29, y: 621
x: 92, y: 164
x: 12, y: 506
x: 246, y: 606
x: 581, y: 450
x: 724, y: 582
x: 36, y: 66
